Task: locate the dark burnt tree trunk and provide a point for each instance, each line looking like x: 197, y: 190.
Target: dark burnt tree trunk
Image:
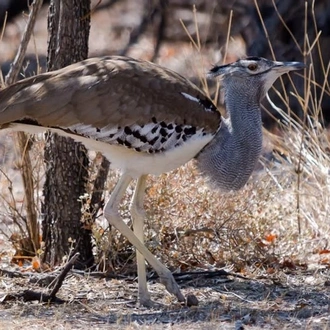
x: 66, y: 161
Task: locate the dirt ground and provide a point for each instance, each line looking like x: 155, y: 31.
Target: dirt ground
x: 299, y: 300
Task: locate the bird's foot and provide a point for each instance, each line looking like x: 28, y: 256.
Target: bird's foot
x: 145, y: 300
x: 148, y: 303
x: 168, y: 280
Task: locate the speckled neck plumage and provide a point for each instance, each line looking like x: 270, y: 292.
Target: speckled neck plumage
x: 230, y: 158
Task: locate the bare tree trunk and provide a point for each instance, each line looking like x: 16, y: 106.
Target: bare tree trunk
x: 66, y: 161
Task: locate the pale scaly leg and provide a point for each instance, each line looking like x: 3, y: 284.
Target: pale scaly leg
x: 112, y: 215
x: 138, y: 216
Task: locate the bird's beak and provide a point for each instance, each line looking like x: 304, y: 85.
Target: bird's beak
x: 284, y: 67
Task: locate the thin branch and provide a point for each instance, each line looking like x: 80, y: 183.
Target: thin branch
x: 98, y: 187
x: 29, y: 295
x: 21, y: 138
x: 138, y: 32
x: 61, y: 277
x: 19, y: 58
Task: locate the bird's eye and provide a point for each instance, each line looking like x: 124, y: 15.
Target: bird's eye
x: 252, y: 66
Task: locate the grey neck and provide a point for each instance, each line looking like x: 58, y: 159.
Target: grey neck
x: 229, y: 159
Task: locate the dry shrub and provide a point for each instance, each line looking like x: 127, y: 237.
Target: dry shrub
x: 14, y: 225
x: 279, y: 220
x: 280, y: 215
x: 190, y: 225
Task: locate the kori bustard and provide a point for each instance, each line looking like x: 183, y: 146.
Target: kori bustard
x: 147, y: 119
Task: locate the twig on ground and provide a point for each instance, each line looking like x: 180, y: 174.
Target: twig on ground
x: 29, y: 295
x: 184, y: 276
x: 59, y: 280
x: 12, y: 274
x: 41, y: 279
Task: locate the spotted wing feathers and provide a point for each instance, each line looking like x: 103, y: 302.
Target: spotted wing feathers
x: 151, y: 138
x: 117, y: 100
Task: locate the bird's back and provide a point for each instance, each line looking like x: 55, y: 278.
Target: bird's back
x: 135, y: 105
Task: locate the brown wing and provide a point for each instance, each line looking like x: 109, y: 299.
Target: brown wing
x: 106, y: 92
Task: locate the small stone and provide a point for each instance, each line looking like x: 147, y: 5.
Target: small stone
x: 304, y: 313
x: 191, y: 300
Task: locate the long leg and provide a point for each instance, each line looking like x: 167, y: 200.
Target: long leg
x: 138, y: 216
x: 112, y: 215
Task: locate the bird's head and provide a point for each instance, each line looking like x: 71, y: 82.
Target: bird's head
x: 255, y: 72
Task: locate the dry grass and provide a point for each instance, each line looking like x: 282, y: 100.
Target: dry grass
x: 278, y: 220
